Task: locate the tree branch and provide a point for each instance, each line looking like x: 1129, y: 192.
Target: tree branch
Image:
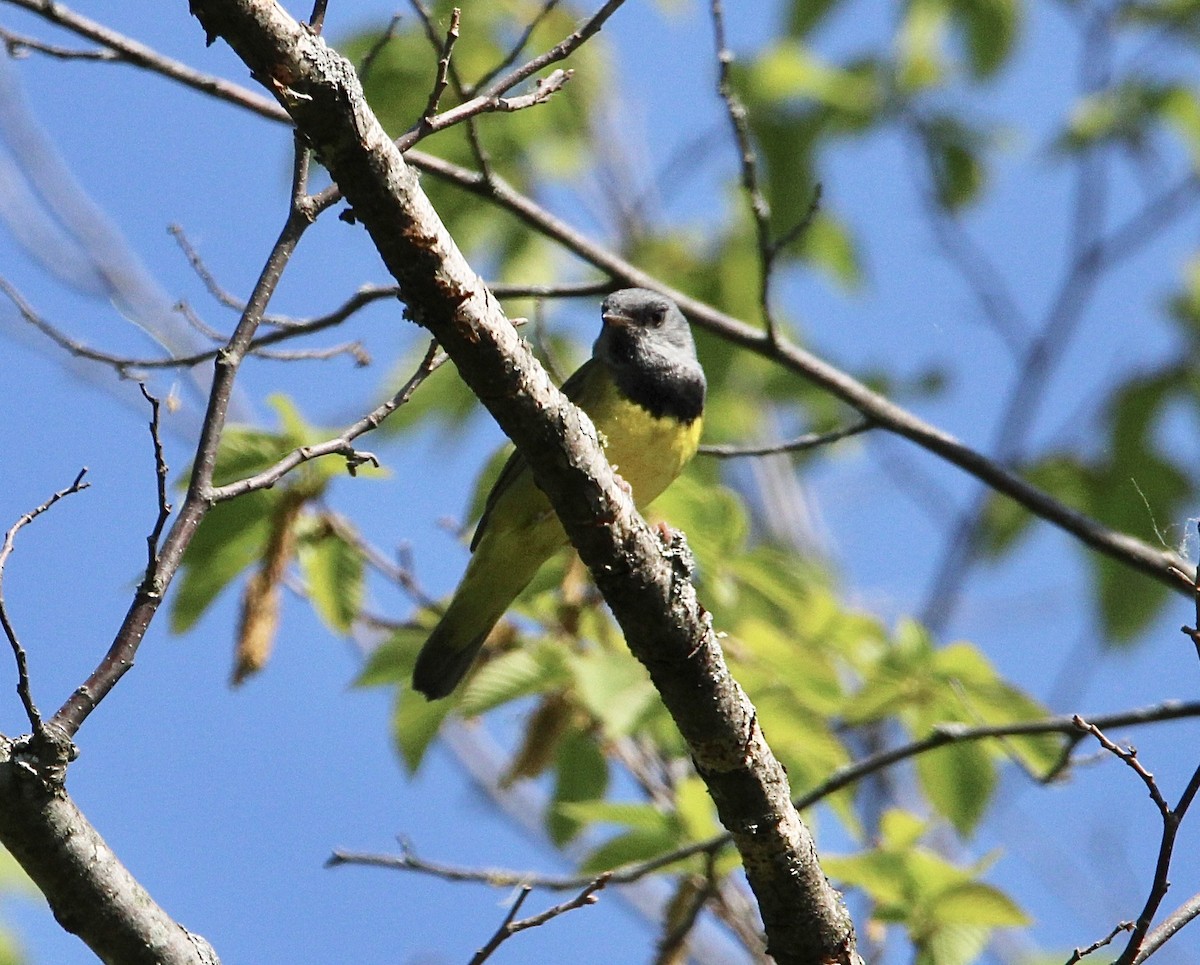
x: 198, y: 499
x: 91, y: 893
x: 648, y: 589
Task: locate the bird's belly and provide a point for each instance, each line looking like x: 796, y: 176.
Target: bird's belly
x: 647, y: 452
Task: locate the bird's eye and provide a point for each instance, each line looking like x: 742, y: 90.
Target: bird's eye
x: 658, y: 315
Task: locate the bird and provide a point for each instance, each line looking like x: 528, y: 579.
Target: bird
x: 644, y: 390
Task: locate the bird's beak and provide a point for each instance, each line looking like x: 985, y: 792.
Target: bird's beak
x: 617, y: 319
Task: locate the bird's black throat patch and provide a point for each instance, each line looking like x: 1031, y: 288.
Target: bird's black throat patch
x: 677, y: 392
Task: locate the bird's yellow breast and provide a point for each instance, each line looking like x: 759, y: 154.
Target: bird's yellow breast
x: 648, y: 452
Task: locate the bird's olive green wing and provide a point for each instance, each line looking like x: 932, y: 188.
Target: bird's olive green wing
x: 579, y: 388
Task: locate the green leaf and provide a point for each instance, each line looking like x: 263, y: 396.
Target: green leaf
x: 830, y: 246
x: 953, y: 945
x: 900, y: 830
x: 509, y: 676
x: 393, y: 660
x: 920, y: 41
x: 581, y: 774
x: 614, y: 688
x: 415, y: 723
x: 231, y: 538
x: 953, y: 152
x: 805, y: 15
x: 975, y: 903
x: 638, y: 845
x: 990, y: 28
x: 639, y: 817
x: 13, y: 879
x: 881, y: 875
x: 1062, y: 475
x: 1181, y: 110
x: 695, y: 810
x: 333, y: 570
x: 789, y: 70
x: 959, y: 781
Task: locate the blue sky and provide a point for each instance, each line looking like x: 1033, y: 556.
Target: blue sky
x: 226, y: 804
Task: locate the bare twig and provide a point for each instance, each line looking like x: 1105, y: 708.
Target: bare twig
x: 1172, y: 818
x: 127, y: 367
x: 137, y: 54
x: 443, y: 67
x: 407, y: 860
x: 695, y: 891
x: 511, y: 927
x: 511, y: 57
x: 810, y: 440
x: 748, y: 161
x: 545, y: 88
x: 583, y: 289
x: 1095, y: 946
x: 385, y: 38
x: 198, y: 500
x: 6, y: 549
x: 940, y: 736
x: 160, y: 474
x: 316, y: 20
x: 401, y: 572
x: 17, y: 46
x: 461, y: 88
x: 1193, y: 632
x: 201, y: 269
x: 341, y: 445
x: 1130, y: 758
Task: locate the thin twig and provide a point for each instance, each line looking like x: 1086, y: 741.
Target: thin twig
x: 810, y: 440
x: 401, y: 572
x: 702, y: 888
x: 583, y: 289
x: 137, y: 54
x: 1172, y: 818
x: 17, y: 46
x: 515, y: 51
x: 340, y: 445
x: 545, y: 88
x: 509, y: 927
x: 1095, y: 946
x: 1130, y: 759
x: 127, y: 367
x: 198, y: 499
x: 6, y: 549
x: 748, y: 161
x: 441, y: 80
x: 461, y: 89
x: 368, y: 60
x: 316, y: 20
x: 160, y: 474
x: 940, y: 736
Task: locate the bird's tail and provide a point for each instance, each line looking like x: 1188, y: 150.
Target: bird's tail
x: 478, y: 604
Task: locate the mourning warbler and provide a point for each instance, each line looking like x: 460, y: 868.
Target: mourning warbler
x: 644, y: 390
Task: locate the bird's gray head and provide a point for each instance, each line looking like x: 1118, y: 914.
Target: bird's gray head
x: 647, y: 345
